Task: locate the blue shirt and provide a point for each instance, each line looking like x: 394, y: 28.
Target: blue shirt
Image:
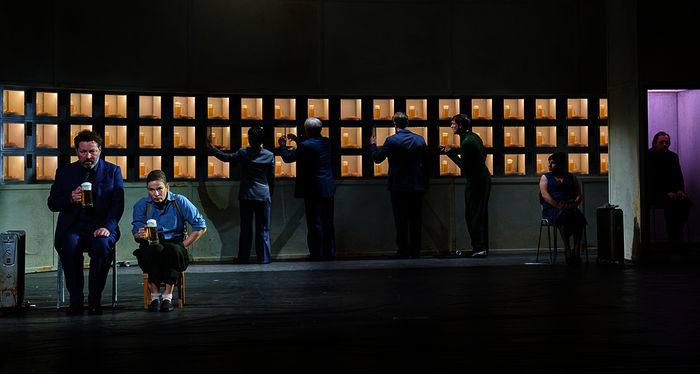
x: 170, y: 225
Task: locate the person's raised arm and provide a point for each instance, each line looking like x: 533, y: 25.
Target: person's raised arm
x: 219, y: 154
x: 286, y: 154
x: 379, y: 154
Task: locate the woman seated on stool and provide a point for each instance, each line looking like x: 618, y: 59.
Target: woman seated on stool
x: 561, y: 195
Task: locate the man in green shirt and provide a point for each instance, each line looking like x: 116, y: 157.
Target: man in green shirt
x: 471, y: 158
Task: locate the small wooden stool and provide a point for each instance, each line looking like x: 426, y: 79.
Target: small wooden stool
x: 180, y: 285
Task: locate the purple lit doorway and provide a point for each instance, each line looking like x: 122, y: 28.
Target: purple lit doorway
x: 677, y: 112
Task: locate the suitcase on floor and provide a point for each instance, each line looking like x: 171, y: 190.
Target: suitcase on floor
x: 12, y: 269
x: 610, y: 234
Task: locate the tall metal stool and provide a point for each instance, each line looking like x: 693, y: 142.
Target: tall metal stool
x: 60, y: 294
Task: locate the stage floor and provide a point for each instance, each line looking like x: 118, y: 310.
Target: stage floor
x: 378, y: 315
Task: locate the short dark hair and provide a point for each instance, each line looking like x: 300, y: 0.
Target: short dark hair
x: 400, y: 120
x: 559, y: 158
x: 156, y: 175
x: 87, y: 136
x: 656, y: 137
x: 463, y: 121
x: 256, y: 134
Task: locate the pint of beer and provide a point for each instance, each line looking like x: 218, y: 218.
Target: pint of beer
x: 86, y: 195
x: 152, y: 231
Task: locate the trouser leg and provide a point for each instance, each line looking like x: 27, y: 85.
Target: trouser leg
x: 245, y: 240
x: 676, y: 214
x: 328, y: 228
x: 173, y: 260
x: 100, y: 253
x: 477, y: 197
x: 262, y: 231
x: 148, y: 259
x: 71, y: 254
x: 415, y: 213
x: 313, y: 227
x: 401, y: 222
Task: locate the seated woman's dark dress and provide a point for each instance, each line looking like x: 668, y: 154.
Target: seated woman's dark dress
x: 562, y: 192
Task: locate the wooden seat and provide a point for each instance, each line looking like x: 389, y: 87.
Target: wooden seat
x: 179, y: 285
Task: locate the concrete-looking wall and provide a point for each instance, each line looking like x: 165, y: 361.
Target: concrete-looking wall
x: 363, y: 218
x: 624, y: 120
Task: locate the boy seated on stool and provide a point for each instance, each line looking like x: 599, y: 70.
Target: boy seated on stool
x: 165, y: 257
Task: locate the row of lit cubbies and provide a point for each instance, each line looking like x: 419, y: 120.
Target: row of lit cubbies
x: 183, y: 107
x: 150, y: 136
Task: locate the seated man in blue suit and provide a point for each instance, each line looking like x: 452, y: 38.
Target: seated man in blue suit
x: 95, y: 228
x: 316, y: 185
x: 408, y: 181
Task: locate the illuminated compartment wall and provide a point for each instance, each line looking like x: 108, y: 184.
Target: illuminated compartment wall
x: 115, y: 106
x: 47, y: 104
x: 141, y: 144
x: 13, y: 102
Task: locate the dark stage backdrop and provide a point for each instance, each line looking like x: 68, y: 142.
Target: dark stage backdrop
x: 382, y: 47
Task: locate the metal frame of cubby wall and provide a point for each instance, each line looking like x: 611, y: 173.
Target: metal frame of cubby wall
x: 366, y: 123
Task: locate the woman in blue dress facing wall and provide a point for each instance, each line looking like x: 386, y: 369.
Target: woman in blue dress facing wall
x: 561, y: 195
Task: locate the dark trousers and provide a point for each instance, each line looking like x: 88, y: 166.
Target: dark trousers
x: 261, y: 211
x: 675, y: 214
x: 408, y: 219
x: 320, y: 232
x: 163, y: 261
x: 70, y: 251
x: 476, y: 212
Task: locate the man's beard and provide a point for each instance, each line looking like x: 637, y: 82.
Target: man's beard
x: 89, y: 166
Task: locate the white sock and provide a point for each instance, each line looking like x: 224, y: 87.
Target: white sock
x: 155, y: 296
x: 168, y: 297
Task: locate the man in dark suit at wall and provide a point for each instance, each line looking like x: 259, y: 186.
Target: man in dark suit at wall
x: 255, y: 193
x: 93, y: 228
x: 408, y: 180
x: 315, y: 184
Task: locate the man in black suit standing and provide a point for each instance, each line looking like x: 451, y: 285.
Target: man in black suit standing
x: 315, y: 184
x: 407, y: 180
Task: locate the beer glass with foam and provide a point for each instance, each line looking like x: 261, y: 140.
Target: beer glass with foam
x: 152, y: 231
x: 86, y: 195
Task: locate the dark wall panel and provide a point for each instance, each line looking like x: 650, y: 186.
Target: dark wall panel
x: 328, y: 47
x: 668, y: 37
x: 122, y: 44
x: 386, y: 47
x: 257, y: 45
x: 27, y: 43
x: 518, y: 46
